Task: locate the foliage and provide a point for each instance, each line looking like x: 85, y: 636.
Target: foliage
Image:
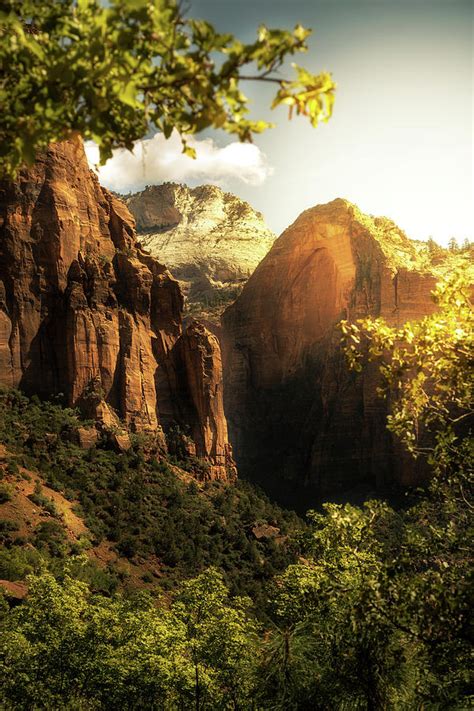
x: 222, y: 642
x: 428, y: 373
x: 454, y: 246
x: 378, y: 615
x: 5, y: 493
x: 67, y: 648
x: 113, y: 72
x: 38, y: 498
x: 16, y: 563
x: 212, y: 304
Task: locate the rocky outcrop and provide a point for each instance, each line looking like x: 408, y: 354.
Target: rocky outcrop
x: 301, y: 424
x: 211, y: 240
x: 85, y: 312
x: 200, y: 371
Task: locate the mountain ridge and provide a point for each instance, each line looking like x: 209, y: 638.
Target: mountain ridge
x: 210, y: 239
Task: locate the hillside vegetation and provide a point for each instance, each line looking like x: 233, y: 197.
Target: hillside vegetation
x: 135, y: 513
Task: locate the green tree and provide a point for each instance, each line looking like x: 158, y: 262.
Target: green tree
x: 453, y: 245
x: 41, y: 644
x: 221, y: 641
x: 67, y: 648
x: 114, y: 72
x: 333, y: 646
x: 377, y: 616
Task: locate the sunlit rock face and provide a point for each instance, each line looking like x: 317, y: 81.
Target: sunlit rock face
x: 211, y: 240
x: 300, y: 423
x: 86, y: 313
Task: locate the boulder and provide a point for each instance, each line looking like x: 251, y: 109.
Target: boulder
x: 86, y: 437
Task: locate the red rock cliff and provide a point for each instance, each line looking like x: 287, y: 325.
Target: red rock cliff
x: 85, y: 312
x: 298, y: 419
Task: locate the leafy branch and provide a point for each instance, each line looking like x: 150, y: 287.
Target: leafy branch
x: 113, y: 74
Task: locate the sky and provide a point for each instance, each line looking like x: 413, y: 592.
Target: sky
x: 400, y: 140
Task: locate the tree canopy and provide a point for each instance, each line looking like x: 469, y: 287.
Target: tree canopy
x: 114, y: 73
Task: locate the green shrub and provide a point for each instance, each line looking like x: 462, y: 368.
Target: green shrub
x: 51, y: 537
x: 45, y: 503
x: 12, y: 467
x: 6, y: 493
x: 17, y: 563
x: 6, y: 530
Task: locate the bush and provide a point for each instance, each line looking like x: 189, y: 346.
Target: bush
x: 51, y: 537
x: 6, y: 529
x: 12, y: 467
x: 39, y: 499
x: 17, y: 563
x: 6, y: 493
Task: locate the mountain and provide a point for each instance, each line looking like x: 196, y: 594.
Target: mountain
x: 300, y: 423
x: 85, y: 312
x: 210, y: 240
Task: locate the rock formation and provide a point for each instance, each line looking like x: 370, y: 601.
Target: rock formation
x: 299, y: 421
x: 85, y: 312
x: 211, y: 240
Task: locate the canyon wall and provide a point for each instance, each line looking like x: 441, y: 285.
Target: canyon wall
x: 300, y: 423
x: 85, y: 312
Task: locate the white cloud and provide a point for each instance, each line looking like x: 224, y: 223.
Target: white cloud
x: 157, y: 160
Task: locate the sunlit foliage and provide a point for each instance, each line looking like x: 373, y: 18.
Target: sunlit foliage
x: 114, y: 71
x: 428, y: 372
x: 67, y: 648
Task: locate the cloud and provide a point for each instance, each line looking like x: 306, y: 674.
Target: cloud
x: 157, y: 160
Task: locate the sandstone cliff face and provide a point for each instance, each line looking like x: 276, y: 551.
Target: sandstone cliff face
x: 212, y: 241
x: 85, y: 312
x: 199, y: 365
x: 299, y: 420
